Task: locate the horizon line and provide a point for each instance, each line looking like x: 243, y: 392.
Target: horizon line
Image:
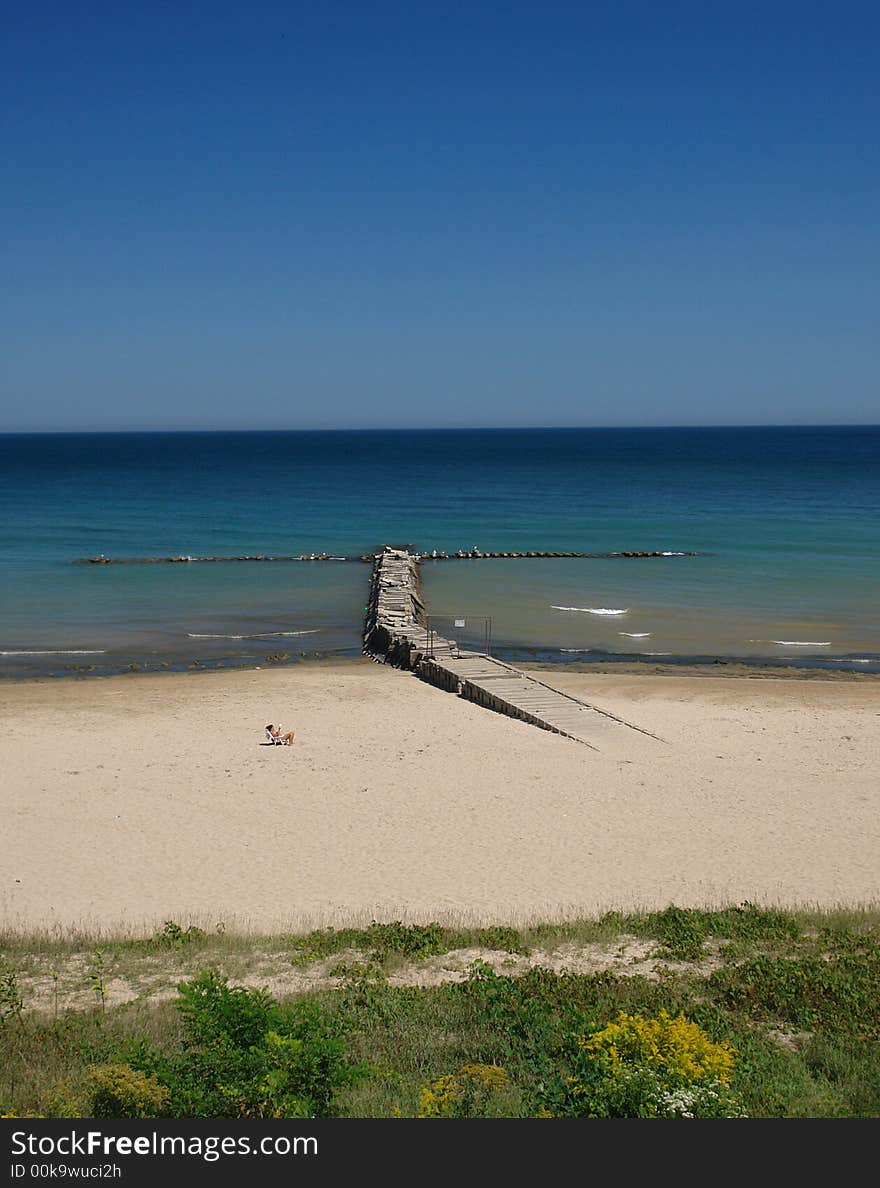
x: 443, y: 428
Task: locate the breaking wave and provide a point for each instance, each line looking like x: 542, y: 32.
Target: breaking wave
x: 593, y: 610
x: 795, y: 643
x: 258, y: 635
x: 59, y: 652
x: 802, y: 643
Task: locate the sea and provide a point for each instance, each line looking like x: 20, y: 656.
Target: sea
x: 783, y: 524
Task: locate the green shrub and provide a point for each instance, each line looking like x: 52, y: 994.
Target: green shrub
x: 213, y: 1011
x: 244, y: 1055
x: 682, y: 932
x: 837, y: 994
x: 120, y: 1091
x: 380, y: 940
x: 304, y: 1071
x: 851, y: 1068
x: 497, y: 937
x: 11, y: 1001
x: 748, y: 922
x: 524, y: 1012
x: 173, y: 936
x: 407, y: 940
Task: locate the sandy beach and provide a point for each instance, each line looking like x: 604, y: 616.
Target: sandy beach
x: 128, y: 801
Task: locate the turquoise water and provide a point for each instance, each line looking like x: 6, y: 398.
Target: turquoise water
x: 787, y: 520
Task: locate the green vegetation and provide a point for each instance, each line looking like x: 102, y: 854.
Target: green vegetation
x: 739, y: 1012
x: 385, y: 941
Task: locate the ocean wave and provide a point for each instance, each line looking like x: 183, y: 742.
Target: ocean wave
x: 259, y: 635
x: 593, y: 610
x: 635, y: 634
x: 794, y: 643
x: 272, y: 634
x: 801, y: 643
x: 670, y: 553
x: 198, y: 635
x: 575, y: 649
x: 59, y: 652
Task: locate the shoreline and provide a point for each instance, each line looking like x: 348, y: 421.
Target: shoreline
x: 131, y: 802
x: 717, y: 668
x: 745, y: 669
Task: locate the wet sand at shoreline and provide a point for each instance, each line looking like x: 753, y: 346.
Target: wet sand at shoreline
x: 717, y: 669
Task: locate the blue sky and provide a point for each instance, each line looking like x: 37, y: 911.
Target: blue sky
x: 359, y: 215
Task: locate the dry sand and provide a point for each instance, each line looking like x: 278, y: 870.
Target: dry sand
x: 127, y: 801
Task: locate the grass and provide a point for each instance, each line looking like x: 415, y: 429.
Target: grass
x: 795, y: 993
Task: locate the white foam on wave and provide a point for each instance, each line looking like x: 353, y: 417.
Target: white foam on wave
x: 636, y: 634
x: 575, y: 649
x: 259, y: 635
x: 670, y: 553
x: 654, y: 653
x: 794, y: 643
x: 59, y: 652
x: 269, y: 634
x: 593, y: 610
x: 802, y: 643
x: 198, y: 635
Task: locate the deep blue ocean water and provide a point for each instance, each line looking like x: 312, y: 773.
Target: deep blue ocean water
x: 788, y: 520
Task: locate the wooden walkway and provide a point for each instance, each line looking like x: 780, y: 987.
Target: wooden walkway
x: 508, y: 690
x: 396, y: 633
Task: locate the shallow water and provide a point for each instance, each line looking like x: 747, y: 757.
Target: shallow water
x: 787, y: 520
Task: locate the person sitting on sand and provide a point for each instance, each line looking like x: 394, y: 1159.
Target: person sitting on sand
x: 285, y: 739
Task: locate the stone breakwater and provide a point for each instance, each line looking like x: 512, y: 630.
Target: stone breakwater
x: 478, y: 554
x: 185, y: 558
x: 369, y: 558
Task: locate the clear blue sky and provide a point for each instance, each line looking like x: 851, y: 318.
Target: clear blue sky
x: 366, y: 214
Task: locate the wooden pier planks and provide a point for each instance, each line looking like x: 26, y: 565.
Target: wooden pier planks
x: 395, y: 632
